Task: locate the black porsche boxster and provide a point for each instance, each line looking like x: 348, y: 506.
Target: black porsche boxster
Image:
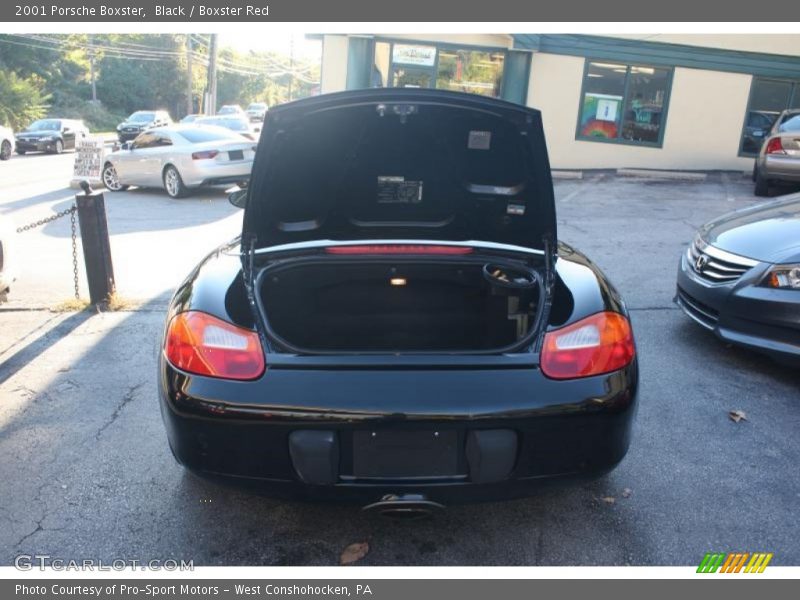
x: 398, y: 324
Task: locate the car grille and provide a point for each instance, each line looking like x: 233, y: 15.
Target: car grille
x: 702, y: 313
x: 715, y: 265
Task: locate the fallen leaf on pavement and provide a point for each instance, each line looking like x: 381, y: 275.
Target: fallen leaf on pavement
x: 737, y: 415
x: 609, y: 499
x: 354, y: 553
x: 626, y: 493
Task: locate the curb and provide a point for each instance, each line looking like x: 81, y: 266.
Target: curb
x: 653, y: 174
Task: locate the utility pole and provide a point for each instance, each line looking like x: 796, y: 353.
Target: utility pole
x: 291, y: 65
x: 91, y: 68
x: 189, y: 86
x: 211, y: 106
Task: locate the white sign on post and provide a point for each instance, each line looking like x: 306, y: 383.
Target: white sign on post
x: 89, y: 154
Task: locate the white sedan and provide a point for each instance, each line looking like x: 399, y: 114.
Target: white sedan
x: 179, y: 158
x: 7, y: 265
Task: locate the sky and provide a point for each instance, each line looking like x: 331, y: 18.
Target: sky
x: 272, y: 41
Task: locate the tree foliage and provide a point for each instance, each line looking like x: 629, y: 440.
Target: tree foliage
x: 21, y: 99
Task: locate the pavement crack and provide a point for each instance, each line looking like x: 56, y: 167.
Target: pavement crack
x: 126, y: 399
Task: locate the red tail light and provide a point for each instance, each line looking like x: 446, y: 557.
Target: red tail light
x: 398, y: 249
x: 204, y: 154
x: 201, y: 344
x: 595, y: 345
x: 774, y: 146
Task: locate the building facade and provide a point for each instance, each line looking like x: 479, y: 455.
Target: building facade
x: 671, y: 101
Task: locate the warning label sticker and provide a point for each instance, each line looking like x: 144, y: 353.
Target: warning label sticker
x: 394, y: 189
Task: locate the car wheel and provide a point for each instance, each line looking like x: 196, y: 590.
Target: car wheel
x: 5, y: 150
x: 173, y: 183
x: 59, y: 147
x: 762, y: 184
x: 755, y: 170
x: 110, y: 179
x: 21, y: 152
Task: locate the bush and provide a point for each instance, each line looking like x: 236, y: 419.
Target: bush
x: 96, y: 116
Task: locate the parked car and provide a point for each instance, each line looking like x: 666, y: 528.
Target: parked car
x: 779, y: 157
x: 140, y: 121
x: 180, y: 158
x: 50, y: 135
x: 256, y: 111
x: 756, y: 127
x: 6, y: 142
x: 238, y: 124
x: 190, y: 119
x: 8, y: 272
x: 740, y: 278
x: 231, y: 109
x: 399, y: 327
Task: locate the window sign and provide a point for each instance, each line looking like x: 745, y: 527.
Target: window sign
x: 421, y: 56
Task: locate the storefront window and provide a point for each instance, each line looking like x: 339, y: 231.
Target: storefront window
x: 470, y: 71
x: 425, y: 66
x: 623, y: 103
x: 768, y: 98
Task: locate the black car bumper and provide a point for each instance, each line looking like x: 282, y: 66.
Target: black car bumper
x: 36, y: 145
x: 744, y: 313
x: 358, y: 435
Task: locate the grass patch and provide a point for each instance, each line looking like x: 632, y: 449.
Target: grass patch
x: 72, y: 305
x: 118, y: 303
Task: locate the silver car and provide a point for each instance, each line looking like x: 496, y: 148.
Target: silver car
x: 179, y: 158
x: 779, y: 158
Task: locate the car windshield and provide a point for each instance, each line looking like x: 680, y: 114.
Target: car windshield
x: 792, y: 124
x: 141, y: 117
x: 45, y: 125
x: 198, y: 135
x: 189, y: 119
x: 235, y: 124
x: 257, y: 106
x: 228, y: 110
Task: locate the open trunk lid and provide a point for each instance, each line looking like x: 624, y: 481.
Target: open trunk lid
x: 400, y: 164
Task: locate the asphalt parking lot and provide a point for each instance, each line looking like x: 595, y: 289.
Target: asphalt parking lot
x: 86, y: 471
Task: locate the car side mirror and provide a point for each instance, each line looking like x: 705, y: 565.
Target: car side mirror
x: 237, y: 196
x: 67, y: 130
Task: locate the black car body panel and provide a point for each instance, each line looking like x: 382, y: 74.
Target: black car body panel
x: 470, y: 425
x: 743, y: 310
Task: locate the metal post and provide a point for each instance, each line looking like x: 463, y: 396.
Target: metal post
x: 96, y: 245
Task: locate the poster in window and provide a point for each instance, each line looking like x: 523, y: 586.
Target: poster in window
x: 600, y: 115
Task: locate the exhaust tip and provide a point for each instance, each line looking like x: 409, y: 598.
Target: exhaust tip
x: 405, y: 507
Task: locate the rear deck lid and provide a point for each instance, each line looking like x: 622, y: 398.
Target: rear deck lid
x: 401, y: 164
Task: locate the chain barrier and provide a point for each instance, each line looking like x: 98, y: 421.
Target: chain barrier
x: 71, y: 212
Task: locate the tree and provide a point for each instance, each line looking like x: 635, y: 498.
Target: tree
x: 21, y: 99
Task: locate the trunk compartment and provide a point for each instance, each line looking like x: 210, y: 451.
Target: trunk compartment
x: 399, y: 305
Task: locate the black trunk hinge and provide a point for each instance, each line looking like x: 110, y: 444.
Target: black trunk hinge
x: 550, y: 255
x: 248, y: 272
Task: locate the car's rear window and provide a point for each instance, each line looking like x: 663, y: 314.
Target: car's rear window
x: 792, y: 124
x: 207, y: 134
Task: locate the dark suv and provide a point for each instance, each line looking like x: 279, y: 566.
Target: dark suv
x: 141, y: 120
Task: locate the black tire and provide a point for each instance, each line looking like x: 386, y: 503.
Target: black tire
x: 5, y: 150
x: 762, y: 184
x: 110, y: 179
x: 173, y: 183
x: 59, y: 147
x: 755, y: 170
x: 21, y: 152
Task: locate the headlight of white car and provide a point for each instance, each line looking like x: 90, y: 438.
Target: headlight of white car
x: 783, y: 277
